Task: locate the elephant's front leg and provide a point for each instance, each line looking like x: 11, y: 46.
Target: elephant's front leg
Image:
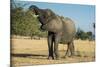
x: 50, y: 45
x: 56, y: 42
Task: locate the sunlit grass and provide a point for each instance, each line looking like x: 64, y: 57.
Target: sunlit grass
x: 34, y: 52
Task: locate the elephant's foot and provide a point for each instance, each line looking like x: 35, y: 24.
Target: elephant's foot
x: 53, y: 58
x: 57, y: 58
x: 66, y: 56
x: 50, y: 57
x: 72, y: 55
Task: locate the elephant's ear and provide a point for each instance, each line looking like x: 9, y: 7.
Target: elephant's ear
x: 50, y: 12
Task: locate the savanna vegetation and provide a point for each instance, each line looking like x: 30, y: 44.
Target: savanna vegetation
x: 24, y: 23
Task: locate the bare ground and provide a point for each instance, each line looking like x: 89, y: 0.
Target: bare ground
x: 35, y: 52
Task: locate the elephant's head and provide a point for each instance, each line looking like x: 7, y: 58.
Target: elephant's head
x: 40, y: 13
x: 34, y: 9
x: 48, y: 19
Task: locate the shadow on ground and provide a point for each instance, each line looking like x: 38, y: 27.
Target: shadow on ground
x: 27, y: 55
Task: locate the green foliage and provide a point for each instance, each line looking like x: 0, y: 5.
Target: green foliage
x: 80, y: 34
x: 24, y: 23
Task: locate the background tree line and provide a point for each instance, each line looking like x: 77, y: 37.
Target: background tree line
x: 80, y: 34
x: 24, y: 23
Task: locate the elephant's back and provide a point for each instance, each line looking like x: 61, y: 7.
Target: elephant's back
x: 54, y: 25
x: 69, y: 30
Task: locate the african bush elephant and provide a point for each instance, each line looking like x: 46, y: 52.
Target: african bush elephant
x: 58, y: 28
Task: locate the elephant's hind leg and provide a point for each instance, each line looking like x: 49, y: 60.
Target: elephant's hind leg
x: 70, y: 49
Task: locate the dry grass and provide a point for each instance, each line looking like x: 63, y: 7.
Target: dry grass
x: 34, y: 52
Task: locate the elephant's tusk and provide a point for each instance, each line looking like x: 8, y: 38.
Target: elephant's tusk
x: 34, y: 15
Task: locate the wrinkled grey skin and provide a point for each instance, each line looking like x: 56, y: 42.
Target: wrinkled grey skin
x: 58, y: 28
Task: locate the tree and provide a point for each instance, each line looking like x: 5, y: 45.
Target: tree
x: 25, y: 24
x: 80, y: 34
